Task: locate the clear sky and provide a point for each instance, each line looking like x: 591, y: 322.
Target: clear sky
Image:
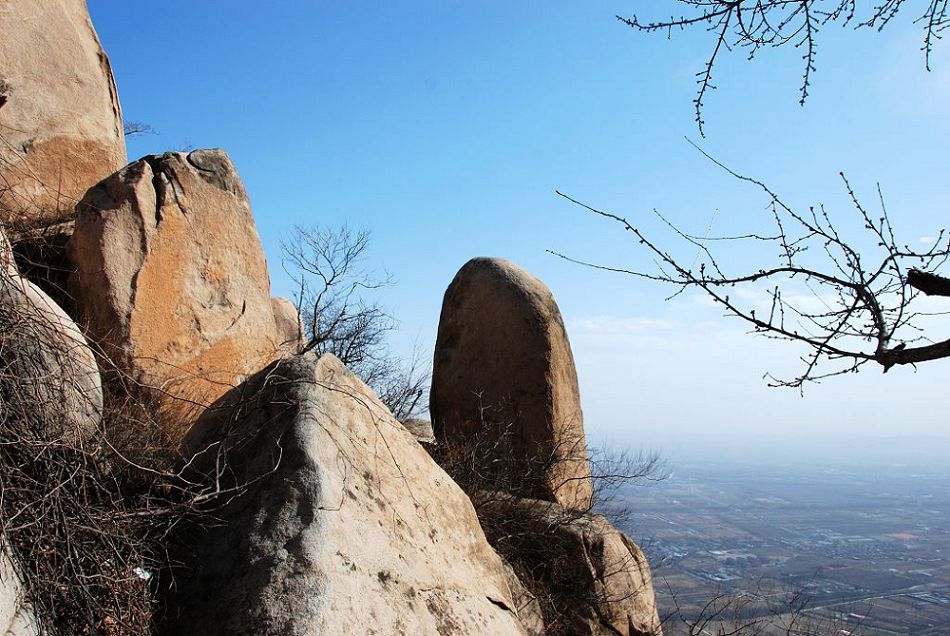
x: 444, y: 127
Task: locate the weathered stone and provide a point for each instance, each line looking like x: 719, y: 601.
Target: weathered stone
x: 346, y: 526
x: 171, y: 278
x: 526, y: 604
x: 60, y: 121
x: 421, y: 429
x: 16, y: 617
x: 597, y: 579
x: 49, y: 371
x: 504, y: 382
x: 289, y: 325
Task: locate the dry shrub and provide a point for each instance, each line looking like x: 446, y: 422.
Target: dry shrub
x: 537, y: 538
x: 39, y: 238
x: 68, y: 523
x: 86, y: 507
x: 89, y: 516
x: 764, y: 609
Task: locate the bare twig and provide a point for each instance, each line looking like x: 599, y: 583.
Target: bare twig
x: 862, y: 307
x: 327, y: 269
x: 762, y: 24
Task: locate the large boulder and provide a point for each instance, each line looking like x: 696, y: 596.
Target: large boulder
x: 504, y: 384
x: 595, y: 579
x: 171, y: 277
x: 49, y: 373
x: 60, y: 120
x: 344, y: 524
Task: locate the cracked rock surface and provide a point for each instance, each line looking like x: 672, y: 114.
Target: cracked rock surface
x: 346, y: 525
x: 171, y: 277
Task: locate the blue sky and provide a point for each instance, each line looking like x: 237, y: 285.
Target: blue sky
x: 444, y: 128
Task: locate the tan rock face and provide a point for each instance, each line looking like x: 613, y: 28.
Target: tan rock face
x: 347, y: 526
x: 60, y: 120
x: 171, y: 277
x: 504, y: 382
x: 289, y: 325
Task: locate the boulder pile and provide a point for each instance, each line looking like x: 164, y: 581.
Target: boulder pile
x: 294, y: 501
x: 505, y: 400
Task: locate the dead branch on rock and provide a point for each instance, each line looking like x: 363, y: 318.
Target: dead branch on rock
x: 327, y: 267
x: 754, y: 25
x: 540, y: 539
x: 860, y: 297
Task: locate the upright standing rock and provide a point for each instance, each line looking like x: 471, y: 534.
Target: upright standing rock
x: 170, y: 275
x: 60, y: 121
x: 504, y: 382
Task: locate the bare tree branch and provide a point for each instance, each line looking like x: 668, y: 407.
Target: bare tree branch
x: 327, y: 267
x: 861, y: 305
x: 136, y: 128
x: 762, y: 24
x: 930, y: 284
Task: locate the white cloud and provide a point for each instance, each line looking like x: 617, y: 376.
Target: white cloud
x: 613, y: 325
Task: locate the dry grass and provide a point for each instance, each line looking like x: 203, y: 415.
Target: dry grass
x: 87, y: 507
x: 537, y: 538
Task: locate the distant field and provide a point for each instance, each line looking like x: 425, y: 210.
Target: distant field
x: 869, y: 553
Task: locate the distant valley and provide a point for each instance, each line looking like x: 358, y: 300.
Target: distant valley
x: 868, y: 550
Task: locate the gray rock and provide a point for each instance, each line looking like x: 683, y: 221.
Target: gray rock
x: 526, y: 604
x: 59, y: 111
x: 16, y: 617
x: 421, y: 429
x: 49, y: 370
x: 345, y: 526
